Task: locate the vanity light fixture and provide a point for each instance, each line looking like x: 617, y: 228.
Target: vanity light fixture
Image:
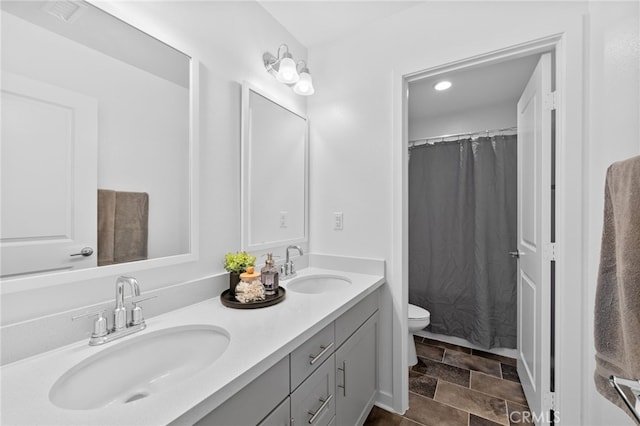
x: 285, y: 70
x: 304, y: 86
x: 442, y: 85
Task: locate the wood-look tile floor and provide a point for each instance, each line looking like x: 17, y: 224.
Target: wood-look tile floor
x: 454, y: 385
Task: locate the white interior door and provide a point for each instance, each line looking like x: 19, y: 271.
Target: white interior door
x: 49, y: 177
x: 534, y: 238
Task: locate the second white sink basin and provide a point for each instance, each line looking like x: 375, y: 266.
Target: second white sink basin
x: 139, y: 367
x: 316, y: 284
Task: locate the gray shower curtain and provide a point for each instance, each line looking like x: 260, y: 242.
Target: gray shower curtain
x: 462, y: 225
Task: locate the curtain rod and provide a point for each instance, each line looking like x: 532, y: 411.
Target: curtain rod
x: 470, y: 135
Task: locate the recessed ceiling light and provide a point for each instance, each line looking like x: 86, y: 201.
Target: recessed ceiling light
x: 442, y: 85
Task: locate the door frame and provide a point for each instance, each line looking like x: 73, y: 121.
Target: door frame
x: 568, y: 377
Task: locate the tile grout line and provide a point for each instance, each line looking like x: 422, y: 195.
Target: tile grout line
x: 495, y: 396
x: 470, y: 369
x: 410, y: 419
x: 453, y: 406
x: 440, y: 402
x: 448, y: 365
x: 470, y: 387
x: 460, y: 409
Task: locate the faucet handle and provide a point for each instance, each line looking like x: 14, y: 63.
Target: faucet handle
x: 100, y: 324
x: 136, y: 312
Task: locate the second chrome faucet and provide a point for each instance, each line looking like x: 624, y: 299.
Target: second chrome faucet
x: 288, y: 270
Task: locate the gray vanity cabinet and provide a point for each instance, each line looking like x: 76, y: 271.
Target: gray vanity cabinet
x: 356, y: 380
x: 329, y: 380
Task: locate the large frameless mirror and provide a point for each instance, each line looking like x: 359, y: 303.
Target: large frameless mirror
x: 97, y: 143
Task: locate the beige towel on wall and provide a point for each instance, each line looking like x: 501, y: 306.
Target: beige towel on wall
x: 617, y: 305
x: 123, y: 226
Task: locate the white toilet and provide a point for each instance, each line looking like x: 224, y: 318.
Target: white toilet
x: 418, y: 319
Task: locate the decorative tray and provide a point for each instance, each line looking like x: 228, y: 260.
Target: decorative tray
x: 228, y: 300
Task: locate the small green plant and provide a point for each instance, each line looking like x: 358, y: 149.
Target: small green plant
x: 238, y: 262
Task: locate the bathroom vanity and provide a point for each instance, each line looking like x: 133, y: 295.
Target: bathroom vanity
x: 311, y: 359
x: 331, y: 379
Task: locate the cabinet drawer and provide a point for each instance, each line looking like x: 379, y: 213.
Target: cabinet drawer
x: 253, y: 402
x: 311, y: 354
x: 349, y: 322
x: 281, y: 416
x: 314, y: 402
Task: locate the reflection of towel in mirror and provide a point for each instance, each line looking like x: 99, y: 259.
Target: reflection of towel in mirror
x: 131, y: 226
x: 617, y: 306
x: 122, y: 226
x: 106, y: 225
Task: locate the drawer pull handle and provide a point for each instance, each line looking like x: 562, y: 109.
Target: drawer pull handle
x: 344, y: 378
x: 315, y: 358
x: 315, y: 415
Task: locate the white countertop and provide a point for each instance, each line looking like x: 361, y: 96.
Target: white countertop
x: 259, y: 339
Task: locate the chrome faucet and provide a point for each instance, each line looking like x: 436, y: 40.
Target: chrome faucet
x: 101, y: 334
x: 120, y: 312
x: 288, y: 269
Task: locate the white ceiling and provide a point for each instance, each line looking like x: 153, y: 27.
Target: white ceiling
x: 472, y: 88
x: 314, y: 22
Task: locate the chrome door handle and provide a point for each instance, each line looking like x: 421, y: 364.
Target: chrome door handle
x: 344, y: 378
x: 516, y: 253
x: 86, y: 252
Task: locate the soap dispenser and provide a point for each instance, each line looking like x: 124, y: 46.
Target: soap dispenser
x: 269, y: 274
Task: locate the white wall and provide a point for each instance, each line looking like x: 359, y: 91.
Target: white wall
x: 228, y: 38
x: 613, y: 134
x: 356, y: 137
x: 488, y: 117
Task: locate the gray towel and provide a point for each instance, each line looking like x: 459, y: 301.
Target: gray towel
x: 106, y: 225
x: 131, y: 226
x: 123, y: 226
x: 617, y: 306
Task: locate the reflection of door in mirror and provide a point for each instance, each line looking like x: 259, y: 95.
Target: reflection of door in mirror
x: 49, y: 144
x: 142, y: 90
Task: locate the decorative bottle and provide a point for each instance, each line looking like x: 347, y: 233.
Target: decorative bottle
x: 269, y: 276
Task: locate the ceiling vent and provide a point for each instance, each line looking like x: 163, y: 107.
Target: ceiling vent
x: 64, y: 10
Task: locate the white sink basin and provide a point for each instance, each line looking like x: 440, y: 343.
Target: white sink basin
x: 316, y: 284
x: 139, y: 367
